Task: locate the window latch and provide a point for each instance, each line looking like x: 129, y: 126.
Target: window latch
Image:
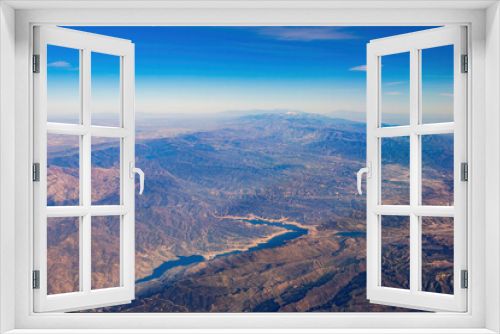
x: 133, y: 170
x: 368, y: 171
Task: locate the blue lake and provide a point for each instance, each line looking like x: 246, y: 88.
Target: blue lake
x: 351, y: 234
x: 182, y: 261
x: 294, y: 232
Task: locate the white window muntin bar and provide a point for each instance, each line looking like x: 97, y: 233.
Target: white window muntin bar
x: 423, y: 129
x: 433, y: 211
x: 86, y: 181
x: 109, y: 210
x: 81, y: 130
x: 84, y: 236
x: 396, y: 131
x: 392, y: 210
x: 415, y: 171
x: 109, y: 132
x: 66, y: 211
x: 418, y: 210
x: 433, y: 129
x: 80, y: 211
x: 67, y: 129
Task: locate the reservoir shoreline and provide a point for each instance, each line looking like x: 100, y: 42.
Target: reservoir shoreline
x: 293, y: 230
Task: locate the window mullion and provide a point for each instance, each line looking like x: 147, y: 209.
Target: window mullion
x: 378, y: 173
x: 81, y: 152
x: 86, y: 168
x: 415, y: 262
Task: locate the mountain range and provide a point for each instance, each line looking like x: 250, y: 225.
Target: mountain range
x: 214, y: 191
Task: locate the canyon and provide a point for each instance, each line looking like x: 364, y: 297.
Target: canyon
x: 258, y: 213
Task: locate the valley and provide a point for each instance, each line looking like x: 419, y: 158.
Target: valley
x: 258, y: 213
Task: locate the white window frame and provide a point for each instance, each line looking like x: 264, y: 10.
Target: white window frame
x: 86, y: 44
x: 483, y: 102
x: 414, y: 44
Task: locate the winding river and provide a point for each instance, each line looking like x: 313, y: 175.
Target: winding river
x: 294, y: 232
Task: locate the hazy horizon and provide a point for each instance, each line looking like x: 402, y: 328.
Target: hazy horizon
x: 209, y: 70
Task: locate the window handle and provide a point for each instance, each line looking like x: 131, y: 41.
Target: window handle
x: 133, y: 171
x: 368, y: 171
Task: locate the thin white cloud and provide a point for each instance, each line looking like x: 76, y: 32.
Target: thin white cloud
x: 445, y: 94
x: 395, y: 83
x: 59, y: 64
x: 437, y: 76
x: 393, y: 93
x: 358, y: 68
x: 305, y: 34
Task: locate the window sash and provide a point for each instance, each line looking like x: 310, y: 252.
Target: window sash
x: 86, y: 297
x: 413, y: 43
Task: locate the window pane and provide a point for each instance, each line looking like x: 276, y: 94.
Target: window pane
x: 63, y: 170
x: 437, y: 84
x: 395, y: 89
x: 63, y: 255
x: 396, y: 251
x: 63, y: 85
x: 395, y: 171
x: 437, y: 170
x: 437, y: 254
x: 106, y: 102
x: 105, y: 252
x: 105, y: 171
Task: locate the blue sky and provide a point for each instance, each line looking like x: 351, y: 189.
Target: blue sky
x: 216, y: 69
